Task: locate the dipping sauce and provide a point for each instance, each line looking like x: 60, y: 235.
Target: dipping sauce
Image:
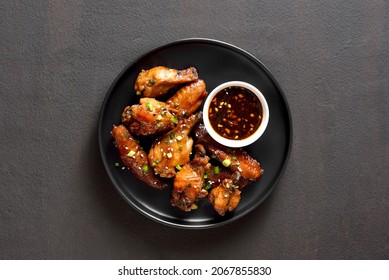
x: 235, y: 113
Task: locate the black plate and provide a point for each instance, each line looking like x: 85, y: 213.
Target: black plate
x: 216, y: 62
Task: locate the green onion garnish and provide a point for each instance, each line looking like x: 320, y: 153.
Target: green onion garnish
x: 226, y: 162
x: 149, y: 106
x: 174, y: 120
x: 145, y: 168
x: 131, y: 153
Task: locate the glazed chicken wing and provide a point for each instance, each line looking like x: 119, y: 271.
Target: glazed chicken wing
x: 135, y: 158
x: 224, y: 197
x: 149, y: 117
x: 234, y: 158
x: 160, y: 80
x: 173, y: 148
x: 216, y: 174
x: 188, y: 98
x: 188, y: 182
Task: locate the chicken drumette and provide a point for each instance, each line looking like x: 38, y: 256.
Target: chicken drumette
x: 188, y: 98
x: 224, y: 197
x: 173, y: 148
x: 135, y: 158
x: 160, y: 80
x: 148, y: 117
x: 236, y: 159
x: 188, y: 182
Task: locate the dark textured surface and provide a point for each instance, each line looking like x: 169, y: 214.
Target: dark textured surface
x: 58, y: 60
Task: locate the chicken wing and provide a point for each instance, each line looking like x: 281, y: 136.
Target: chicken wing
x: 188, y: 98
x: 216, y: 174
x: 148, y: 117
x: 234, y: 158
x: 188, y: 182
x: 160, y: 80
x: 135, y: 158
x: 225, y: 197
x: 173, y: 148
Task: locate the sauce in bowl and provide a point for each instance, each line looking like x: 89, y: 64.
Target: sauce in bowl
x: 235, y: 113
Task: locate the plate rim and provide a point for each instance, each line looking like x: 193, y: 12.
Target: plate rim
x: 167, y: 45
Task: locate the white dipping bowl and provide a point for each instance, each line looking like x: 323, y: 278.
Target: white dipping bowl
x: 239, y: 142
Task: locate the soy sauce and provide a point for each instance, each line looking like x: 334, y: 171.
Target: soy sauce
x: 235, y: 113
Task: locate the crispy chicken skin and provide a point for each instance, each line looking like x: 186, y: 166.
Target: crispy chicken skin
x: 159, y: 80
x: 224, y: 197
x: 135, y: 158
x: 188, y: 182
x: 188, y: 98
x: 173, y: 148
x: 236, y: 158
x: 149, y: 117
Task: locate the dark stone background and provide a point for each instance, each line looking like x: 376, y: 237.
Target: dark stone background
x: 58, y: 59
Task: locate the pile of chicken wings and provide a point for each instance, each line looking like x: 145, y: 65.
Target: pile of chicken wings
x: 182, y: 151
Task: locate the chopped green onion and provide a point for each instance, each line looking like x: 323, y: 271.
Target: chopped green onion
x: 194, y: 207
x: 152, y: 81
x: 174, y: 120
x: 138, y: 92
x: 208, y: 186
x: 236, y: 187
x: 178, y: 167
x: 149, y: 106
x: 131, y: 153
x: 213, y: 156
x: 117, y: 164
x: 154, y: 164
x: 145, y: 168
x: 159, y: 124
x: 216, y: 170
x: 226, y: 162
x: 234, y: 158
x: 172, y: 135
